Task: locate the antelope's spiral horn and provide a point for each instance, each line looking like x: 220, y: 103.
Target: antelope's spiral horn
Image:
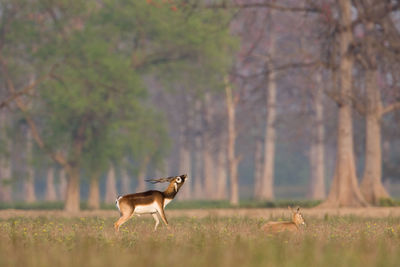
x: 160, y: 180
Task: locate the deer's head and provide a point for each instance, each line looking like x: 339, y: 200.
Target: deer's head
x: 297, y: 218
x: 175, y: 181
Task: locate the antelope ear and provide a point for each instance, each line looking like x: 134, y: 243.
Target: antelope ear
x: 176, y: 187
x: 298, y: 209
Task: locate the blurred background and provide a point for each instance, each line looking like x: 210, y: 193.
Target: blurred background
x: 249, y: 98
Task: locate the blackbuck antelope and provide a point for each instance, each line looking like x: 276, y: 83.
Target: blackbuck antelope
x: 293, y: 226
x: 149, y: 202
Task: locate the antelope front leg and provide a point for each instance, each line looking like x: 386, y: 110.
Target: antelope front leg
x: 156, y: 219
x: 162, y: 215
x: 120, y: 221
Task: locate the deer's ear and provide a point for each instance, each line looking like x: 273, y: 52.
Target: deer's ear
x: 298, y: 209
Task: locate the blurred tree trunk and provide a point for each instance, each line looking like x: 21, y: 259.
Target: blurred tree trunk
x: 317, y: 150
x: 208, y: 161
x: 62, y: 189
x: 258, y: 167
x: 371, y: 184
x: 72, y: 199
x: 198, y: 166
x: 184, y: 163
x: 142, y: 175
x: 5, y: 166
x: 111, y: 186
x: 233, y: 160
x: 267, y: 184
x: 344, y: 190
x: 29, y: 182
x: 221, y: 174
x: 125, y: 182
x: 50, y: 188
x: 5, y: 178
x: 94, y: 192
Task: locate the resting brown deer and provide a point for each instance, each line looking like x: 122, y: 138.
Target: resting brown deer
x: 292, y: 226
x: 149, y: 202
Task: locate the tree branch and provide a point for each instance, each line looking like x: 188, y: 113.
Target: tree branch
x: 24, y: 91
x: 56, y: 156
x: 390, y: 108
x: 158, y: 58
x: 283, y: 67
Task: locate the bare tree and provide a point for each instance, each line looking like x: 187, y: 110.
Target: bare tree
x: 141, y: 186
x: 221, y: 168
x: 94, y: 191
x: 185, y: 161
x: 344, y: 190
x: 233, y: 159
x: 267, y: 184
x: 208, y: 161
x: 317, y: 148
x: 29, y: 181
x: 125, y: 181
x: 198, y: 147
x: 62, y: 189
x: 5, y: 164
x: 111, y: 185
x: 50, y: 188
x: 369, y: 48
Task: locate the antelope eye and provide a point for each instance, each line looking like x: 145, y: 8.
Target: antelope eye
x: 179, y: 180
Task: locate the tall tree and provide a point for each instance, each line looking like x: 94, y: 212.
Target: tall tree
x: 94, y: 191
x: 233, y: 159
x: 207, y: 151
x: 50, y: 188
x: 372, y: 55
x: 344, y: 189
x: 267, y: 184
x: 185, y: 161
x: 5, y: 163
x: 111, y: 186
x: 29, y: 181
x: 221, y: 168
x: 317, y: 148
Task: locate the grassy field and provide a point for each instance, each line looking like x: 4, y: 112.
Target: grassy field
x: 207, y: 241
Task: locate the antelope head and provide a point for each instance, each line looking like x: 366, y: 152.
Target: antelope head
x: 297, y: 218
x: 176, y: 181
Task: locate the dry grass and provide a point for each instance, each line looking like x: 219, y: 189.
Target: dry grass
x: 329, y: 240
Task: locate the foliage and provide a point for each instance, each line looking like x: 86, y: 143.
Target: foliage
x: 95, y: 57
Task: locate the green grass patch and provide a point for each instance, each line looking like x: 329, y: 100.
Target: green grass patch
x: 212, y: 241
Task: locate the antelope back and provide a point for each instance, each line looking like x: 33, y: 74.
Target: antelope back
x: 277, y: 227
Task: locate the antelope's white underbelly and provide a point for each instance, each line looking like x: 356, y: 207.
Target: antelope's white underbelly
x: 142, y: 209
x: 149, y: 208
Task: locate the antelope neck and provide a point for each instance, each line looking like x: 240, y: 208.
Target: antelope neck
x: 170, y: 192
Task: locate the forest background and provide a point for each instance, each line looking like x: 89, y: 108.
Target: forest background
x: 257, y: 100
